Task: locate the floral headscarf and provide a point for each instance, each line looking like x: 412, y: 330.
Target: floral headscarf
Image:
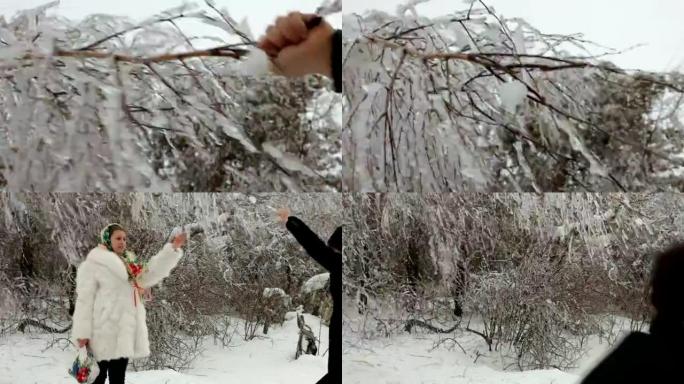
x: 106, y: 234
x: 134, y: 267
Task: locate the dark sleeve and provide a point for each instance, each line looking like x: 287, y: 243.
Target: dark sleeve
x: 620, y: 365
x: 312, y: 244
x: 337, y: 60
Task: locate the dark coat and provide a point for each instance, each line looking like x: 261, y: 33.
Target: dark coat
x: 656, y: 357
x: 331, y: 260
x: 336, y: 60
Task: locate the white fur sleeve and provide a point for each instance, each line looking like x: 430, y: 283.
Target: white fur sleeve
x: 159, y: 267
x: 86, y: 285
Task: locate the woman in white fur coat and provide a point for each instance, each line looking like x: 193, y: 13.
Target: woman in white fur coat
x: 109, y: 314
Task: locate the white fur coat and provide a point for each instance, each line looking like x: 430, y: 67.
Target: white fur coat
x: 106, y: 312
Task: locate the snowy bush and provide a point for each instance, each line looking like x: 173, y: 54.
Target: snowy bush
x: 536, y: 274
x: 277, y: 304
x: 169, y: 345
x: 473, y: 101
x: 107, y: 104
x: 316, y: 297
x: 536, y: 318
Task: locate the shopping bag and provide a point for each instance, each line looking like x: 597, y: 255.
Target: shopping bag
x: 85, y: 368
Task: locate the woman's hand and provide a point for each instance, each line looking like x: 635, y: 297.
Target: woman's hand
x: 179, y: 240
x: 83, y: 342
x: 147, y: 294
x: 297, y: 50
x: 283, y: 214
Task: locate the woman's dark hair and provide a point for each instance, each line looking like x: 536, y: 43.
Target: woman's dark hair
x: 115, y: 227
x: 667, y: 283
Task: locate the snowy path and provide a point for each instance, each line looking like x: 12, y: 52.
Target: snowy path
x: 268, y: 360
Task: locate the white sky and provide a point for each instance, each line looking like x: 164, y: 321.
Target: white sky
x: 259, y: 13
x: 618, y: 24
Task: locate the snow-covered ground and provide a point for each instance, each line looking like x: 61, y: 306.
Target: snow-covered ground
x: 408, y: 359
x: 417, y: 359
x: 265, y: 360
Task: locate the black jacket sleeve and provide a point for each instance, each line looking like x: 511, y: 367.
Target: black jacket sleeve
x: 337, y: 60
x: 625, y: 364
x: 312, y: 244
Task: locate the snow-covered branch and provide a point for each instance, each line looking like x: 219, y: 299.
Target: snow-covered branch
x: 109, y: 104
x: 473, y: 101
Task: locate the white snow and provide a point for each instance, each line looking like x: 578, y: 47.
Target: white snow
x: 674, y: 173
x: 419, y: 358
x: 409, y: 6
x: 245, y: 28
x: 372, y: 88
x: 286, y: 160
x: 316, y: 283
x: 256, y: 64
x: 352, y: 29
x: 519, y: 40
x: 268, y: 359
x: 271, y: 292
x: 512, y: 94
x: 13, y: 51
x: 407, y: 359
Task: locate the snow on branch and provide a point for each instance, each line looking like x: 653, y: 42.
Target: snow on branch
x: 471, y: 100
x: 113, y: 105
x: 329, y: 7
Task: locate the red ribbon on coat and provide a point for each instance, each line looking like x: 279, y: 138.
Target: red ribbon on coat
x: 137, y: 290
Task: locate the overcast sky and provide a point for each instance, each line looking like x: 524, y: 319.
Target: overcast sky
x: 617, y: 24
x: 259, y: 13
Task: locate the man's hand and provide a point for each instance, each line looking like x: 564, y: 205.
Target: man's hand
x: 179, y: 240
x: 283, y: 214
x: 297, y: 50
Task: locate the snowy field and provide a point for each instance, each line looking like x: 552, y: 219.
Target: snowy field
x: 265, y: 360
x: 420, y: 359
